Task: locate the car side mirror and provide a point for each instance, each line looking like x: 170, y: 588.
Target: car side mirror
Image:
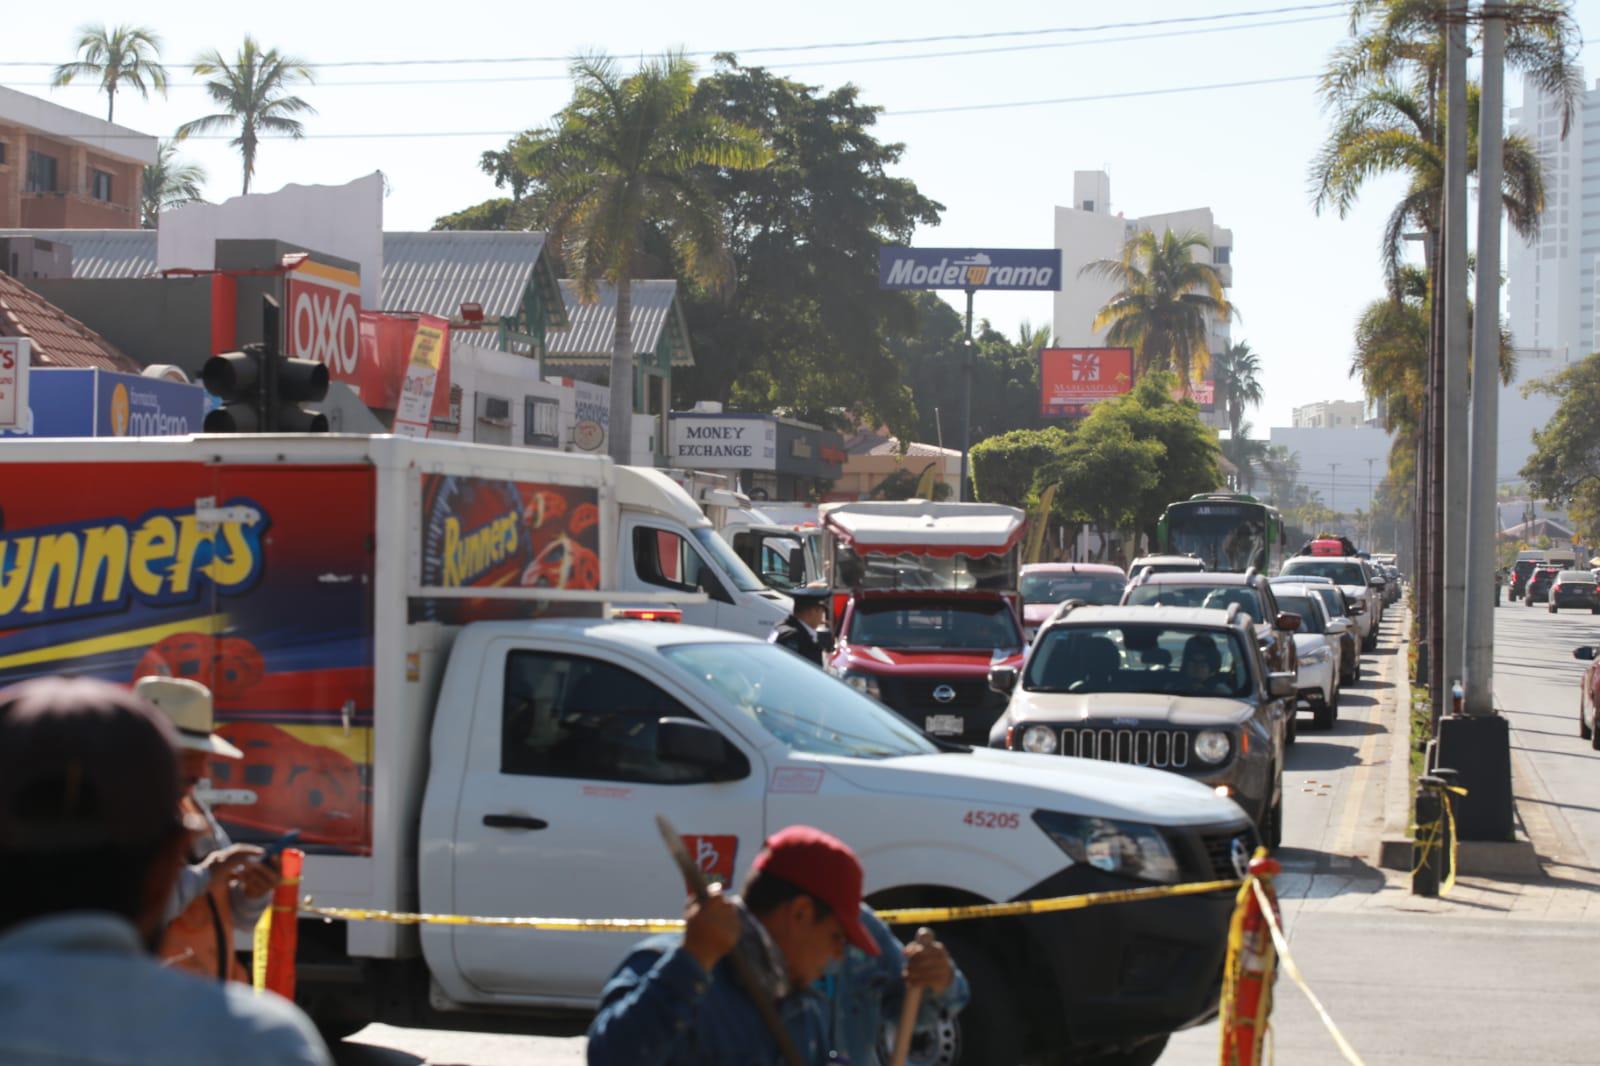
x: 1587, y: 653
x: 688, y: 742
x: 1281, y: 686
x: 1288, y: 621
x: 1355, y: 609
x: 797, y: 566
x: 1003, y: 679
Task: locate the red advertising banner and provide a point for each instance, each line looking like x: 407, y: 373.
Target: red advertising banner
x: 387, y: 342
x: 1071, y: 379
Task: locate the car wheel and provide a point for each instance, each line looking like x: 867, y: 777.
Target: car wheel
x: 1291, y: 731
x: 1272, y: 825
x: 990, y: 1029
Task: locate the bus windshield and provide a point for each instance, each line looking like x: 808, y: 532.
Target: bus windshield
x: 1227, y: 537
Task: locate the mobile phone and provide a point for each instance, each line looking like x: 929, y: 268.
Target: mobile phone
x: 270, y: 852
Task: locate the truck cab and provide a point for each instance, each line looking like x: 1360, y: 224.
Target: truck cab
x: 927, y: 601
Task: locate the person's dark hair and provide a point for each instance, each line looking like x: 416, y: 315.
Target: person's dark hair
x: 764, y: 893
x: 102, y: 879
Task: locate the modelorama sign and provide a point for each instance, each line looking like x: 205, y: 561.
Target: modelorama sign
x: 1071, y: 379
x: 723, y: 443
x: 1033, y: 269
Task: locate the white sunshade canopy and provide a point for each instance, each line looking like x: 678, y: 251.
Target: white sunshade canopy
x: 911, y: 525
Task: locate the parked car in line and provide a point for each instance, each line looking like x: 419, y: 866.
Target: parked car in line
x: 1340, y: 626
x: 1250, y: 590
x: 1046, y: 586
x: 1353, y: 579
x: 1539, y: 585
x: 1589, y: 694
x: 1164, y: 564
x: 1575, y: 588
x: 1318, y: 652
x: 1521, y: 570
x: 1179, y: 689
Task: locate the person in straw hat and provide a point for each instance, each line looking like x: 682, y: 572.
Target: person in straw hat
x: 225, y: 886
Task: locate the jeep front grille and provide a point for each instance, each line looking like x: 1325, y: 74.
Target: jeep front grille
x: 1165, y: 749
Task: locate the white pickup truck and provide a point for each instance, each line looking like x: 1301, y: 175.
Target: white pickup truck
x: 411, y: 643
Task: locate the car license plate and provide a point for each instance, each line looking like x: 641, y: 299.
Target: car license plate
x: 945, y: 725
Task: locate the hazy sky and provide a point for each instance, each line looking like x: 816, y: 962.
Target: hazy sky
x: 1299, y: 279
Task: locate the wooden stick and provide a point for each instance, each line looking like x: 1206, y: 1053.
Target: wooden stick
x: 908, y: 1022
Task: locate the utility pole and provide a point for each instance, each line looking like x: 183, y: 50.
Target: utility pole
x: 1478, y: 744
x: 1452, y: 561
x: 966, y: 402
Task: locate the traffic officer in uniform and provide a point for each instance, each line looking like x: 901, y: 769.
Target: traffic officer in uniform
x: 802, y: 631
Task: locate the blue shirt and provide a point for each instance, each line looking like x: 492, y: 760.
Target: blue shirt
x: 79, y: 988
x: 865, y: 992
x: 661, y: 1008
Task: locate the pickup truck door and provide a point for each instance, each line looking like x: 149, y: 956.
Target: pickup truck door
x: 659, y: 557
x: 556, y: 818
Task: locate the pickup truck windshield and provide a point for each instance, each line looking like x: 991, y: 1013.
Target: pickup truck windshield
x: 740, y: 574
x: 798, y: 703
x: 1099, y: 589
x: 1213, y: 597
x: 935, y: 625
x: 1341, y: 573
x: 1174, y: 660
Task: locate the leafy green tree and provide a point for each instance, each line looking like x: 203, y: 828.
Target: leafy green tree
x: 167, y: 183
x: 116, y: 56
x: 1565, y: 465
x: 1247, y: 453
x: 1104, y: 474
x: 500, y: 213
x: 252, y: 88
x: 630, y: 157
x: 1005, y: 375
x: 1004, y: 468
x: 806, y: 327
x: 1164, y: 303
x: 1236, y: 372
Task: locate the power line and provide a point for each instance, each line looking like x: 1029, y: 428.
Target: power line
x: 825, y: 46
x: 501, y: 79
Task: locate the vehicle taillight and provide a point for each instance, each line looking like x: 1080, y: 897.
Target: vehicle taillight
x: 648, y: 614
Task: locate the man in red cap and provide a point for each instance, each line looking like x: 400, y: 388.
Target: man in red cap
x: 676, y: 1001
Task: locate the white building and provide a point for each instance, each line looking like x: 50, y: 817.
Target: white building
x: 1342, y: 466
x: 1088, y: 231
x: 1330, y: 414
x: 1551, y: 280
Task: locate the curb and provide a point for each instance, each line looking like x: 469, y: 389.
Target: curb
x: 1395, y: 845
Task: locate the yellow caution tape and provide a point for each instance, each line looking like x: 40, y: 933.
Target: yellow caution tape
x: 259, y: 952
x: 1428, y: 837
x: 1281, y: 943
x: 902, y: 916
x: 1234, y: 973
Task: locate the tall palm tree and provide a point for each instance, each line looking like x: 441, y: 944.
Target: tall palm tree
x: 251, y: 90
x: 1166, y: 302
x: 1030, y: 338
x: 169, y: 182
x: 1247, y: 453
x: 1237, y: 374
x: 622, y: 159
x: 116, y: 56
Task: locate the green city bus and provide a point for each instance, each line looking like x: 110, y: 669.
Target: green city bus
x: 1228, y: 531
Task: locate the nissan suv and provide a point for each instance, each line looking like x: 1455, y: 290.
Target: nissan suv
x: 1175, y: 688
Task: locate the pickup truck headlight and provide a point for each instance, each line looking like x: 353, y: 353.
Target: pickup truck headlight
x: 1126, y: 848
x: 1212, y: 745
x: 1039, y: 739
x: 1315, y: 656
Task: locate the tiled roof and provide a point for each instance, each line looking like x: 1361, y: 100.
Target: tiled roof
x: 655, y: 308
x: 437, y: 271
x: 102, y: 253
x: 59, y: 340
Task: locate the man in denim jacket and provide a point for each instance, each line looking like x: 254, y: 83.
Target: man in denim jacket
x: 676, y: 1001
x: 864, y: 992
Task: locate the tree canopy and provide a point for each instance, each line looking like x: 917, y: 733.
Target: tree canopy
x: 1565, y: 465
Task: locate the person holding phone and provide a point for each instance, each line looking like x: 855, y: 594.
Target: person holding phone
x: 225, y: 886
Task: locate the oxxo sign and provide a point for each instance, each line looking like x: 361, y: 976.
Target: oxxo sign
x: 324, y: 318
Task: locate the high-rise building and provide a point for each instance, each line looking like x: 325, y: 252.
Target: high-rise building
x: 1330, y: 414
x: 1088, y: 230
x: 1551, y: 278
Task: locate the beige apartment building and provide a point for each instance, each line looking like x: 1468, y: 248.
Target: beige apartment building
x: 63, y: 169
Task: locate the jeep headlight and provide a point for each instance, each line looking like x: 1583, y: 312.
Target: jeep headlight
x: 1039, y: 739
x: 1316, y: 655
x: 1212, y: 745
x: 1125, y: 848
x: 865, y: 684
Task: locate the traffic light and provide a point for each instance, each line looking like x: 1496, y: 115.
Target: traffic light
x: 261, y: 391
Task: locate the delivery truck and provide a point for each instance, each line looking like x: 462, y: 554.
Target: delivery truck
x: 414, y: 644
